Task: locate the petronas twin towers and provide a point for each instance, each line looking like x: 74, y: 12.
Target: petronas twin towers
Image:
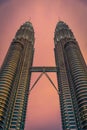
x: 15, y: 75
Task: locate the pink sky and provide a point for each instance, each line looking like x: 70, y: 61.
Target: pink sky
x: 43, y: 110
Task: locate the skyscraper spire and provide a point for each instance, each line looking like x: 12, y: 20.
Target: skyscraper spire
x: 26, y: 32
x: 62, y: 31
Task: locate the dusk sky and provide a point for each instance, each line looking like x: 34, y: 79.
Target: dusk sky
x: 43, y: 111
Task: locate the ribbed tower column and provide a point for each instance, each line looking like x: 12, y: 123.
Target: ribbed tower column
x: 63, y: 34
x: 7, y: 76
x: 78, y: 71
x: 72, y: 79
x: 17, y: 68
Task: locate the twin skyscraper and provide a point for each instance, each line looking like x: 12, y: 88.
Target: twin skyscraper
x: 15, y: 74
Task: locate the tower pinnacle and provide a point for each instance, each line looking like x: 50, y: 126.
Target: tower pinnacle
x: 62, y: 31
x: 26, y: 32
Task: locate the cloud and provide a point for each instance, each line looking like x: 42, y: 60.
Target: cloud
x: 83, y: 1
x: 3, y: 1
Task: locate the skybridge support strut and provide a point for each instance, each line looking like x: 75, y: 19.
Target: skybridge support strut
x: 44, y: 71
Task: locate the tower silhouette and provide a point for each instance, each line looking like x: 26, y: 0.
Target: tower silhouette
x: 15, y: 74
x: 15, y: 78
x: 72, y: 79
